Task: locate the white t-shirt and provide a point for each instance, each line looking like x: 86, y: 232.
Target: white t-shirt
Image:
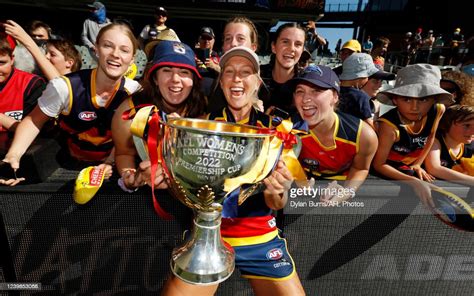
x: 55, y: 98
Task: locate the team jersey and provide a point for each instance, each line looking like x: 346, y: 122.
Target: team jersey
x: 254, y: 218
x: 87, y: 123
x: 331, y: 162
x: 449, y: 159
x: 408, y: 145
x: 18, y: 95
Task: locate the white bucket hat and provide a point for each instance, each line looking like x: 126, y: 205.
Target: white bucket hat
x: 358, y: 65
x: 417, y: 81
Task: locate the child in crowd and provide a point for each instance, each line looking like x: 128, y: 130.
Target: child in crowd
x: 356, y: 71
x: 19, y: 90
x: 372, y: 88
x: 407, y: 132
x: 450, y: 157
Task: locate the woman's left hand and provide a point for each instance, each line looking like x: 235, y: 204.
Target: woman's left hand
x: 144, y: 175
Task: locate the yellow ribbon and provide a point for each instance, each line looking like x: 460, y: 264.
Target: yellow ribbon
x: 288, y: 155
x: 140, y: 121
x: 267, y: 159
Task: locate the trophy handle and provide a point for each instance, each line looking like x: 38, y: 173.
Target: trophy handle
x: 141, y: 147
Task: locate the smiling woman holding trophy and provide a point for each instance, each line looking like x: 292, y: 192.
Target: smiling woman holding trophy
x: 172, y: 85
x: 215, y: 167
x: 247, y: 222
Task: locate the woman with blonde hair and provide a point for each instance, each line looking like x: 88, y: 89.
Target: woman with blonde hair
x: 84, y: 103
x: 250, y: 228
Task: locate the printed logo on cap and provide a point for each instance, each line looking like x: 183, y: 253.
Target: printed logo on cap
x: 179, y: 48
x: 313, y: 69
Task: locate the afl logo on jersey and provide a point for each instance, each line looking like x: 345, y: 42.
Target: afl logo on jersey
x: 274, y: 254
x: 87, y: 115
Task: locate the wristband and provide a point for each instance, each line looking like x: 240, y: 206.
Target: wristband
x: 122, y: 186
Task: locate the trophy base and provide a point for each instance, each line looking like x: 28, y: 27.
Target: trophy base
x: 204, y: 259
x: 199, y: 279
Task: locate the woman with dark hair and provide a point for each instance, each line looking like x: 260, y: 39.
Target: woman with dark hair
x: 172, y: 85
x: 287, y: 49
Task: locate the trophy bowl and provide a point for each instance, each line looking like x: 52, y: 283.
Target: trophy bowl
x: 206, y: 161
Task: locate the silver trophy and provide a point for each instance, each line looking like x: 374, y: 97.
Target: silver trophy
x: 206, y: 161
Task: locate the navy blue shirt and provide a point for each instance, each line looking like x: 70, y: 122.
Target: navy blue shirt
x: 355, y: 102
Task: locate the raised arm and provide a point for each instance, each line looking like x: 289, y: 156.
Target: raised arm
x: 16, y: 31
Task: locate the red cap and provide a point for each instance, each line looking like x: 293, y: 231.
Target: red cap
x: 12, y: 42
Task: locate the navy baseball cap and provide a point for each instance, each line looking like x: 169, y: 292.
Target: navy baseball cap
x: 320, y: 76
x: 173, y: 54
